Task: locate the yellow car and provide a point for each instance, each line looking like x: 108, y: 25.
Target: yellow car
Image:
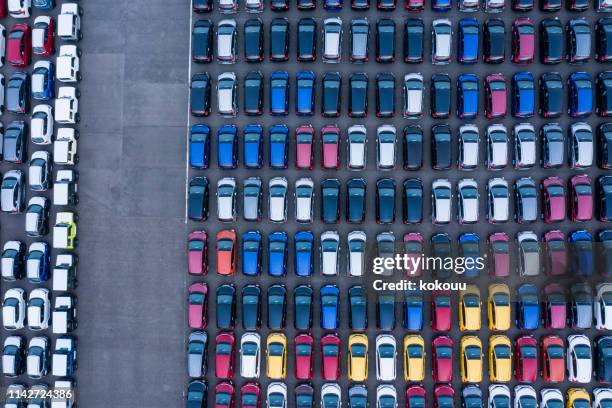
x: 414, y: 358
x: 358, y: 357
x: 498, y: 307
x: 578, y: 398
x: 500, y: 358
x: 469, y: 308
x: 276, y: 356
x: 471, y: 359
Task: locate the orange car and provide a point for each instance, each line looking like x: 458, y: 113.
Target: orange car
x: 553, y: 358
x: 227, y: 252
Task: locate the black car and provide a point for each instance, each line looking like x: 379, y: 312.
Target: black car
x: 441, y: 249
x: 385, y: 40
x: 604, y: 256
x: 385, y: 5
x: 253, y: 93
x: 552, y: 146
x: 198, y: 199
x: 302, y: 301
x: 385, y: 201
x: 603, y: 359
x: 494, y: 41
x: 603, y: 86
x: 413, y: 201
x: 385, y: 95
x: 253, y: 40
x: 251, y: 307
x: 413, y: 147
x: 604, y: 141
x: 551, y: 41
x: 385, y: 311
x: 226, y: 306
x: 279, y: 5
x: 355, y: 200
x: 202, y: 6
x: 440, y: 96
x: 441, y: 150
x: 197, y: 392
x: 306, y: 4
x: 603, y: 40
x: 202, y: 40
x: 330, y: 201
x: 279, y: 40
x: 604, y: 198
x: 358, y: 95
x: 18, y: 93
x: 360, y: 4
x: 578, y: 47
x: 358, y: 308
x: 200, y: 94
x: 414, y: 34
x: 551, y: 95
x: 277, y: 306
x: 330, y: 108
x: 307, y: 40
x: 15, y: 142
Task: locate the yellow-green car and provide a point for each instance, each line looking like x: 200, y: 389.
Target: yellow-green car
x: 65, y: 230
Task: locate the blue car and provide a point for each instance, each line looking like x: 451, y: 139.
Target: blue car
x: 252, y: 143
x: 414, y: 305
x: 277, y: 254
x: 580, y: 95
x: 251, y: 253
x: 42, y: 81
x: 43, y: 4
x: 581, y: 243
x: 523, y: 95
x: 279, y: 145
x: 528, y: 307
x: 358, y: 308
x: 227, y: 147
x: 385, y: 311
x: 304, y: 97
x: 302, y: 302
x: 279, y: 93
x: 37, y: 262
x: 199, y: 146
x: 304, y: 253
x: 468, y: 96
x: 330, y: 295
x: 468, y: 41
x: 251, y: 307
x: 469, y: 249
x: 277, y: 307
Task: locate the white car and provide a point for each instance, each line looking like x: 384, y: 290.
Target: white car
x: 602, y: 397
x: 332, y: 39
x: 65, y: 188
x: 37, y: 364
x: 551, y: 398
x: 441, y: 41
x: 332, y: 393
x: 39, y: 309
x: 68, y: 399
x: 385, y: 147
x: 2, y: 45
x: 226, y: 199
x: 11, y: 261
x: 580, y: 148
x: 386, y: 353
x: 64, y: 272
x: 356, y: 253
x: 39, y: 171
x: 63, y: 317
x: 65, y: 147
x: 524, y: 146
x: 41, y: 125
x: 228, y: 6
x: 497, y: 147
x: 226, y: 94
x: 386, y: 396
x: 36, y: 217
x: 441, y: 196
x: 498, y: 205
x: 276, y: 395
x: 69, y: 22
x: 414, y: 92
x: 40, y: 30
x: 226, y: 41
x: 20, y: 8
x: 67, y: 105
x: 68, y: 64
x: 499, y: 396
x: 357, y: 143
x: 278, y: 199
x: 525, y: 396
x: 467, y: 194
x: 579, y: 359
x: 2, y: 96
x: 330, y: 251
x: 12, y: 356
x: 253, y: 6
x: 13, y: 396
x: 250, y: 355
x: 14, y: 309
x: 304, y: 194
x: 603, y: 306
x: 469, y: 141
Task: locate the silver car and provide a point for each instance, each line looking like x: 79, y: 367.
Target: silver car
x: 41, y: 125
x: 250, y: 355
x: 386, y: 396
x: 498, y: 206
x: 414, y: 91
x: 14, y: 309
x: 226, y: 42
x: 37, y: 359
x: 360, y: 33
x: 441, y: 41
x: 196, y: 354
x: 580, y: 149
x: 252, y: 194
x: 276, y: 395
x: 226, y: 199
x: 228, y: 6
x: 603, y: 306
x: 304, y: 194
x: 525, y: 396
x: 356, y: 253
x: 499, y: 396
x: 497, y: 147
x: 524, y: 146
x: 39, y: 309
x: 39, y: 172
x: 278, y: 199
x: 385, y: 147
x: 12, y: 356
x: 386, y: 354
x: 469, y: 141
x: 528, y: 253
x: 525, y: 201
x: 226, y: 94
x: 579, y: 359
x: 332, y: 39
x: 551, y: 398
x: 467, y: 193
x: 12, y: 192
x: 441, y: 201
x: 385, y: 248
x: 332, y: 393
x: 357, y: 142
x: 253, y: 6
x: 330, y: 251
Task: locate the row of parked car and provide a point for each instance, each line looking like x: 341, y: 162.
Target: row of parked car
x: 570, y: 42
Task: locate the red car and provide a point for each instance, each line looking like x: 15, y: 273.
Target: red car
x: 495, y: 96
x: 198, y: 306
x: 555, y: 306
x: 553, y: 358
x: 555, y: 253
x: 19, y: 45
x: 441, y: 310
x: 442, y: 359
x: 330, y: 147
x: 330, y: 357
x: 526, y: 359
x: 523, y: 41
x: 304, y: 147
x: 413, y: 246
x: 499, y: 254
x: 43, y: 37
x: 224, y: 395
x: 444, y: 396
x: 197, y: 253
x: 224, y: 355
x: 250, y: 395
x: 304, y: 356
x: 227, y: 252
x: 414, y: 5
x: 415, y: 397
x: 581, y: 196
x: 553, y: 199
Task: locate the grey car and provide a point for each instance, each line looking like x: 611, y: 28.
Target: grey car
x: 553, y: 146
x: 528, y: 253
x: 196, y: 354
x: 360, y: 34
x: 251, y: 199
x: 525, y: 200
x: 524, y: 146
x: 358, y: 396
x: 581, y: 307
x: 12, y: 192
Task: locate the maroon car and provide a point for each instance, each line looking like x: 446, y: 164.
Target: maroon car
x: 304, y: 356
x: 555, y: 306
x: 444, y: 396
x: 224, y: 395
x: 19, y: 45
x: 197, y: 253
x: 250, y: 395
x: 415, y: 397
x: 495, y: 96
x: 414, y: 5
x: 198, y: 306
x: 330, y: 357
x: 555, y: 253
x: 224, y: 355
x: 526, y: 359
x: 3, y: 8
x: 499, y: 254
x: 581, y: 196
x: 304, y: 147
x: 523, y: 41
x: 413, y: 247
x: 553, y: 199
x: 442, y: 359
x: 441, y: 310
x: 330, y: 147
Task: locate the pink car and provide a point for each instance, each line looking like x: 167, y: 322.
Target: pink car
x: 523, y: 41
x: 553, y: 199
x: 555, y: 253
x: 330, y: 146
x: 495, y: 96
x: 198, y: 306
x: 555, y: 307
x: 304, y: 147
x: 581, y: 196
x: 413, y: 246
x: 499, y: 254
x: 197, y: 253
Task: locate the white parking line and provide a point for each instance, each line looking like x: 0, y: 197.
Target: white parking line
x: 188, y: 110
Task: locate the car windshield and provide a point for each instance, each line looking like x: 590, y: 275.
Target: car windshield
x: 305, y: 83
x: 223, y: 349
x: 472, y: 352
x: 471, y: 300
x: 225, y: 245
x: 386, y: 351
x: 252, y: 29
x: 333, y: 28
x: 249, y: 348
x: 497, y: 85
x: 278, y: 83
x: 416, y: 402
x: 556, y: 191
x: 329, y: 245
x: 329, y: 300
x: 445, y: 401
x: 196, y: 245
x: 582, y: 351
x: 413, y: 247
x: 276, y: 349
x: 330, y: 350
x: 444, y: 352
x: 277, y: 246
x: 501, y: 299
x: 330, y: 138
x: 358, y: 350
x: 442, y: 301
x: 502, y: 351
x: 501, y: 401
x: 249, y: 399
x: 500, y: 247
x: 196, y: 298
x: 442, y: 192
x: 276, y: 399
x: 415, y: 351
x: 469, y: 192
x: 553, y: 403
x: 223, y: 399
x: 583, y: 189
x: 303, y: 350
x: 277, y: 191
x: 529, y: 352
x: 525, y: 84
x: 330, y: 401
x: 386, y: 401
x: 385, y: 84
